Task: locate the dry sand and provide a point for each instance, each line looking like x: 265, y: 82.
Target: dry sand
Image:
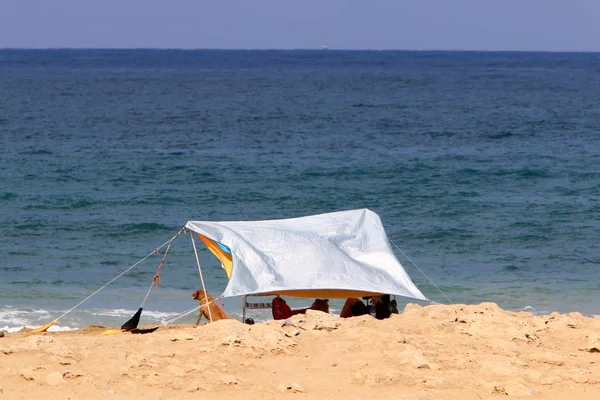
x: 434, y: 352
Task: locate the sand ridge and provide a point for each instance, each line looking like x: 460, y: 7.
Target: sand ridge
x: 438, y: 351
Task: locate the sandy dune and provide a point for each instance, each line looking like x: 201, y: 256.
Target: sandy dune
x: 433, y: 352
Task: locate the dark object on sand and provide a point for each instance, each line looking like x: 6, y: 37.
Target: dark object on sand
x: 249, y: 321
x: 142, y: 331
x: 133, y: 322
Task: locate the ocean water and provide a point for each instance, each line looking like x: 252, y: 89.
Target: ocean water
x: 484, y: 168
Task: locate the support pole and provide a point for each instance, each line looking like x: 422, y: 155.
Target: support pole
x: 201, y: 277
x: 244, y: 309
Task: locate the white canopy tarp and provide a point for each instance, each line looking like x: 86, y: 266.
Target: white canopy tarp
x: 334, y: 255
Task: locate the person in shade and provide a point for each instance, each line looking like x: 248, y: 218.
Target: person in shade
x: 384, y: 306
x: 280, y: 309
x: 354, y: 307
x: 381, y: 307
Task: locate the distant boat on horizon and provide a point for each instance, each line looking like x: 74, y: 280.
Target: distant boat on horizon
x: 324, y: 47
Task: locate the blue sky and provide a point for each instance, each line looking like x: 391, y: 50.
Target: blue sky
x: 547, y: 25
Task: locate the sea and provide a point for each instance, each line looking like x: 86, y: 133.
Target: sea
x: 483, y: 166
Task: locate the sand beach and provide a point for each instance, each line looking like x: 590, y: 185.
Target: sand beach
x: 433, y: 352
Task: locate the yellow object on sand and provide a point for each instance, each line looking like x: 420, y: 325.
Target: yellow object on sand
x: 111, y: 332
x: 44, y: 328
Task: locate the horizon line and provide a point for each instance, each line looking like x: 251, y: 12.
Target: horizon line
x: 317, y: 49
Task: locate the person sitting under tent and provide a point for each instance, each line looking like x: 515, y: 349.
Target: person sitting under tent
x: 381, y: 307
x: 354, y: 307
x: 317, y: 305
x: 384, y: 306
x: 281, y: 310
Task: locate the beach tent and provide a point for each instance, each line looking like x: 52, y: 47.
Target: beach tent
x: 334, y: 255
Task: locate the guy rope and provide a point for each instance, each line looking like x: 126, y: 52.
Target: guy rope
x: 155, y: 251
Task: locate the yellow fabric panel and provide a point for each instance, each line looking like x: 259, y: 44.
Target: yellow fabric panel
x: 44, y: 328
x: 222, y: 255
x: 322, y: 293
